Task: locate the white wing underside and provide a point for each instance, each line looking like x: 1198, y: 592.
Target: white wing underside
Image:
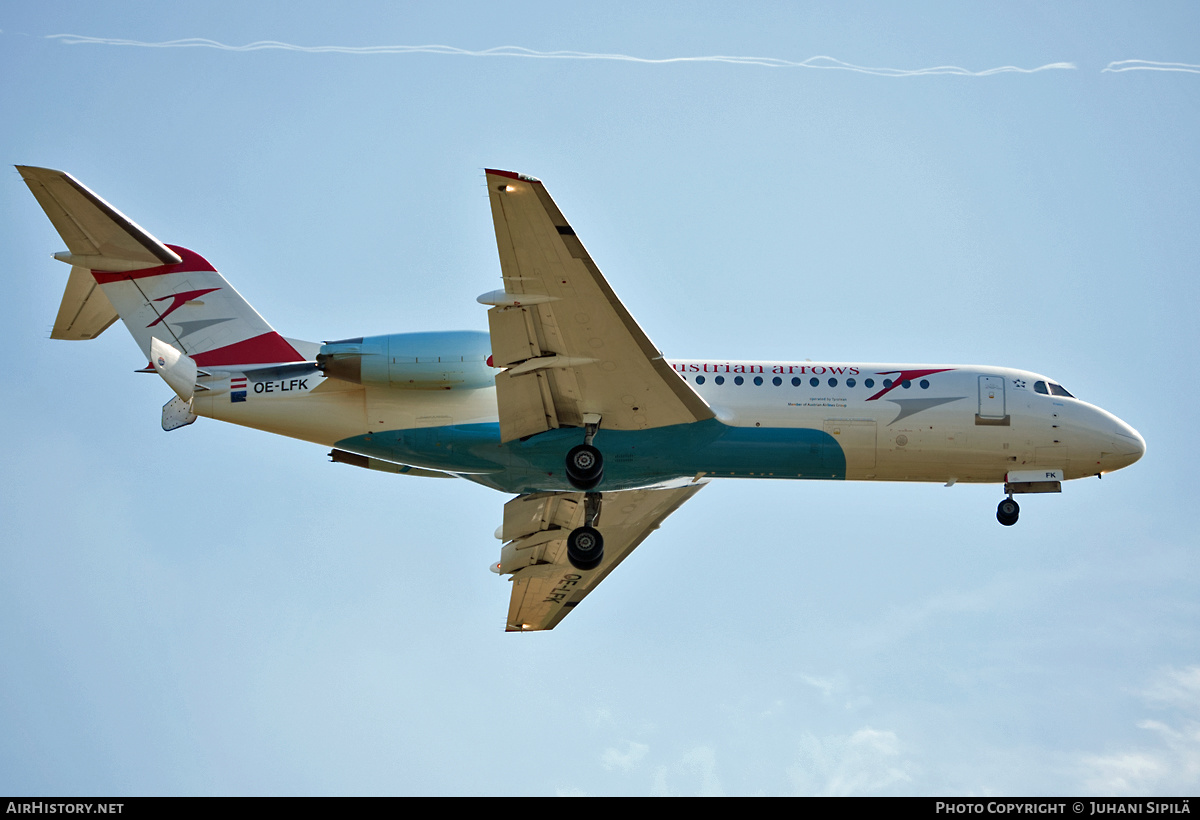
x: 545, y: 585
x: 571, y: 354
x: 569, y: 346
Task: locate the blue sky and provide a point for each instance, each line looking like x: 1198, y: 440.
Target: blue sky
x: 219, y: 611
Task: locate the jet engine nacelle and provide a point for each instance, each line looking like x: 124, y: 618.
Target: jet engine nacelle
x: 459, y: 359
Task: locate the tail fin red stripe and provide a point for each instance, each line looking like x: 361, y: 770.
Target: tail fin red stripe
x: 269, y: 348
x: 192, y: 261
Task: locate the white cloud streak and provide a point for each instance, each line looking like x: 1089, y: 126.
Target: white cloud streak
x: 1169, y: 761
x: 1149, y: 65
x: 625, y: 761
x: 819, y: 62
x: 867, y: 762
x: 697, y: 768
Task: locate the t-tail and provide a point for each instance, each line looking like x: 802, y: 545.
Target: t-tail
x: 179, y: 309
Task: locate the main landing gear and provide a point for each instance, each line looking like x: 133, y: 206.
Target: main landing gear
x: 585, y: 465
x: 1008, y: 511
x: 585, y: 470
x: 585, y: 545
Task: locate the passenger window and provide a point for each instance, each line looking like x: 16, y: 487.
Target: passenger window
x: 1040, y: 387
x: 924, y: 384
x: 887, y: 382
x: 850, y: 382
x: 758, y: 380
x: 795, y: 381
x: 814, y: 381
x: 699, y: 380
x: 719, y: 380
x: 776, y: 381
x: 869, y: 383
x: 833, y: 382
x: 906, y: 384
x: 738, y: 380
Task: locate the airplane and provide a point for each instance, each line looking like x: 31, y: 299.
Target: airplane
x: 565, y: 402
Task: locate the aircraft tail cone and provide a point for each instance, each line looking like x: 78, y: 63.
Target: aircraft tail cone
x: 176, y: 369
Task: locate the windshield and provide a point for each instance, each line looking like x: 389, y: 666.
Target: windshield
x: 1052, y: 389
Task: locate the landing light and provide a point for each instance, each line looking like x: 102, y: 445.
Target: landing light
x: 508, y: 189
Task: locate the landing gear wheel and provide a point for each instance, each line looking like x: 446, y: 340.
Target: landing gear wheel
x: 585, y: 548
x: 1007, y: 512
x: 585, y: 467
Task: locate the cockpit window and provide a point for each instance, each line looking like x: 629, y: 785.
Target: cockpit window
x: 1051, y: 389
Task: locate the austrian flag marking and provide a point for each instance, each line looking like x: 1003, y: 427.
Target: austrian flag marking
x: 237, y: 389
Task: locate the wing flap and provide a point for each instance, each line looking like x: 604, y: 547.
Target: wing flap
x: 513, y: 338
x: 545, y: 587
x: 528, y: 405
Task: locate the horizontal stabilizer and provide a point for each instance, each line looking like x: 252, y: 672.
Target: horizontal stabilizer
x: 98, y: 236
x: 85, y: 311
x: 159, y: 291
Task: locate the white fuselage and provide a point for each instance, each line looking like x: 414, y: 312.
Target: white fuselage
x: 891, y: 422
x: 958, y: 423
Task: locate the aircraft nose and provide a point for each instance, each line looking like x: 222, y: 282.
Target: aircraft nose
x: 1127, y: 447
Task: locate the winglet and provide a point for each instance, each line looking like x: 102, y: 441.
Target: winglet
x: 511, y: 175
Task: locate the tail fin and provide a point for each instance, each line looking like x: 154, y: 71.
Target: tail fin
x: 159, y: 291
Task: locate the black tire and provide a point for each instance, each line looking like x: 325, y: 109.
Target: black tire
x: 1007, y: 512
x: 585, y: 467
x: 585, y: 548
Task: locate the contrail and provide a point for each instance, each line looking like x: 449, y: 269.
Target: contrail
x: 1150, y: 65
x: 821, y: 62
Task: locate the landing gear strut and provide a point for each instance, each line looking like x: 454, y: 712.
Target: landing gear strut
x: 585, y: 545
x: 585, y: 465
x: 1007, y: 512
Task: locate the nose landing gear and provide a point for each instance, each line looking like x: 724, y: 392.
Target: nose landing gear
x: 1008, y: 511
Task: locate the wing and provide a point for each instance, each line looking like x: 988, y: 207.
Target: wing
x: 570, y: 348
x: 545, y: 587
